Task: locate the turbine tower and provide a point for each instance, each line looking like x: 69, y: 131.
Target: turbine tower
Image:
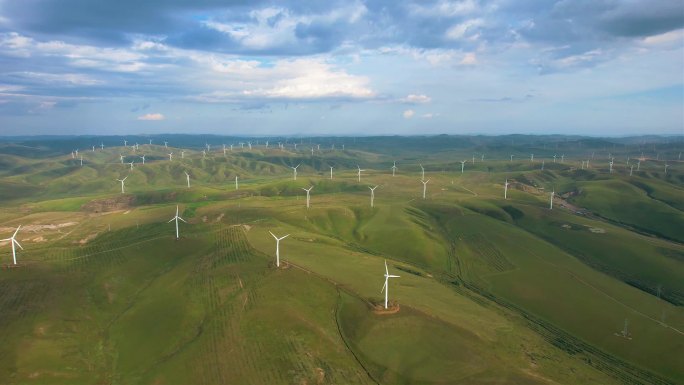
x: 372, y: 189
x: 236, y: 182
x: 187, y: 177
x: 294, y: 170
x: 13, y: 241
x: 170, y: 156
x: 359, y: 172
x: 463, y: 165
x: 506, y: 189
x: 122, y: 183
x: 176, y: 218
x: 394, y: 168
x: 308, y: 195
x: 143, y: 158
x: 425, y: 182
x: 278, y: 247
x: 385, y: 287
x: 331, y: 168
x: 551, y: 200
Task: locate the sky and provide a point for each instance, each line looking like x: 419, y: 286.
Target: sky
x: 237, y: 67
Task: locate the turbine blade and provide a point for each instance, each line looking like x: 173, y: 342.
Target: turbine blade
x: 182, y: 219
x: 17, y: 243
x: 386, y: 271
x: 16, y: 231
x: 394, y: 276
x: 172, y: 219
x: 384, y: 286
x: 285, y: 236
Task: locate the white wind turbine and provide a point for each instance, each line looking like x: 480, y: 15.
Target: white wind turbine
x: 131, y: 164
x: 224, y: 150
x: 13, y: 241
x: 331, y: 168
x: 187, y: 177
x: 551, y: 200
x: 506, y: 189
x: 666, y: 166
x: 150, y: 140
x: 610, y: 165
x: 359, y: 172
x: 631, y: 170
x: 385, y: 287
x: 121, y: 157
x: 93, y: 149
x: 372, y: 189
x: 166, y: 144
x: 82, y: 163
x: 394, y: 168
x: 125, y: 143
x: 542, y: 166
x: 122, y: 183
x: 463, y: 165
x: 554, y: 158
x: 176, y: 218
x: 511, y: 158
x: 425, y: 182
x: 531, y: 157
x: 278, y: 247
x: 143, y: 158
x: 170, y: 156
x: 294, y: 170
x: 308, y: 195
x: 236, y: 182
x: 101, y: 146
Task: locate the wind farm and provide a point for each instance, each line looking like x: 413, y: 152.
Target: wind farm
x: 554, y: 264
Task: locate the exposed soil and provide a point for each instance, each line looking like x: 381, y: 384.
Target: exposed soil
x: 109, y: 204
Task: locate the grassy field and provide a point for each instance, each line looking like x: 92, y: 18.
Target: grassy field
x: 492, y: 291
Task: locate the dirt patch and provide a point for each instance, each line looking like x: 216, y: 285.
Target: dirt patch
x: 597, y: 230
x: 247, y: 227
x: 88, y: 238
x: 109, y: 204
x: 39, y: 239
x: 392, y: 308
x: 37, y: 228
x: 218, y: 219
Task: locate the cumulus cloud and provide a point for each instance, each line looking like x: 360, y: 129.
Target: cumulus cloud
x: 469, y: 59
x: 408, y: 114
x: 155, y: 116
x: 416, y: 99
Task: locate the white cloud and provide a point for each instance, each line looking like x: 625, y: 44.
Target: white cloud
x: 302, y: 79
x: 668, y: 38
x: 72, y: 79
x: 469, y: 59
x: 156, y: 116
x: 416, y: 99
x: 445, y: 8
x: 408, y: 114
x: 466, y: 30
x: 427, y: 116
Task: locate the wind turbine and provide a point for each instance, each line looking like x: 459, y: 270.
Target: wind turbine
x: 425, y: 182
x: 331, y: 168
x: 170, y: 156
x: 176, y: 218
x: 511, y: 158
x: 531, y: 157
x: 385, y: 287
x: 506, y: 189
x: 166, y: 144
x: 463, y: 165
x: 359, y: 172
x: 101, y: 146
x: 278, y: 247
x: 610, y: 165
x: 631, y: 169
x: 422, y: 172
x: 224, y: 150
x: 121, y: 157
x: 294, y: 169
x: 143, y: 158
x: 187, y: 177
x: 125, y: 143
x: 122, y: 183
x: 372, y: 194
x: 551, y: 200
x: 150, y: 141
x: 394, y: 168
x: 13, y: 241
x: 93, y: 149
x: 666, y: 166
x: 236, y: 182
x: 308, y: 196
x: 554, y: 158
x: 131, y: 164
x: 82, y: 163
x: 542, y: 167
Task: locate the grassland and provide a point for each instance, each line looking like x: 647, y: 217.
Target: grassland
x: 492, y: 291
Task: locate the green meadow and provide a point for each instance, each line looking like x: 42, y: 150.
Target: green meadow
x: 491, y: 290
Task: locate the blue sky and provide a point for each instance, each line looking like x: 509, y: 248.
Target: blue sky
x: 596, y: 67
